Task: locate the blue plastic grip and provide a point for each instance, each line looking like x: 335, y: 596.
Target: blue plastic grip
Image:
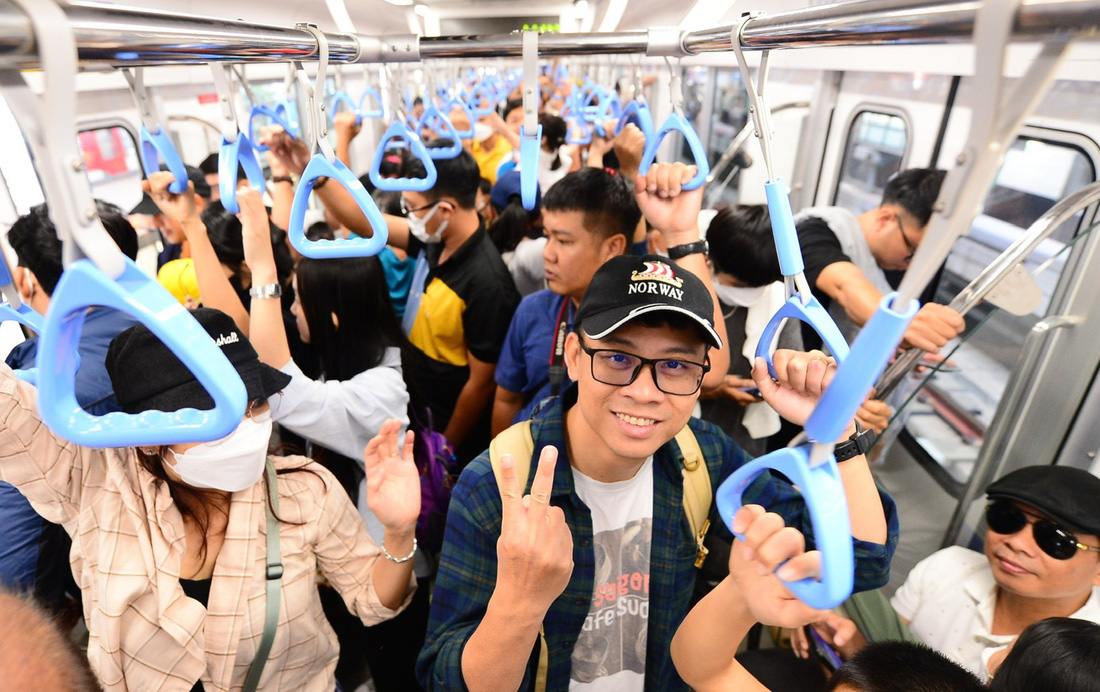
x: 397, y: 130
x: 786, y: 237
x: 638, y: 113
x: 346, y: 99
x: 155, y: 146
x: 530, y: 145
x: 341, y: 247
x: 813, y: 314
x: 578, y: 132
x: 823, y: 493
x: 854, y: 378
x: 24, y: 314
x: 432, y: 119
x: 675, y: 121
x: 459, y: 102
x: 229, y: 155
x: 373, y: 112
x: 484, y: 92
x: 82, y: 286
x: 272, y: 113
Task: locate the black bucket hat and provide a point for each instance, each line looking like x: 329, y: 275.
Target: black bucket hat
x: 147, y: 376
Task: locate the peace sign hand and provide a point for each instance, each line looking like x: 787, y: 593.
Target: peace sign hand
x: 535, y: 548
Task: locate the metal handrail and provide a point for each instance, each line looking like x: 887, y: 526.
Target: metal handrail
x: 993, y: 274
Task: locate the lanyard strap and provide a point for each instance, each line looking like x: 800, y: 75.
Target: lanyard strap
x: 274, y: 582
x: 557, y: 354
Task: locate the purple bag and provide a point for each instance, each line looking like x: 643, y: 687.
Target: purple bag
x: 435, y: 459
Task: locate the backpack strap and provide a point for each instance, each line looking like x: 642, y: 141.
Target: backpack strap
x: 518, y: 442
x: 697, y: 490
x: 274, y: 582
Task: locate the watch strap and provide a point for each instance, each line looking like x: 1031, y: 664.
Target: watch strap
x: 271, y: 290
x: 859, y: 443
x: 678, y: 251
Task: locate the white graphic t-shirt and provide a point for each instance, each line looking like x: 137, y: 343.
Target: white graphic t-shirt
x: 610, y: 652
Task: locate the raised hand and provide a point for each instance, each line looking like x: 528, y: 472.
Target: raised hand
x: 256, y: 234
x: 293, y: 153
x: 837, y: 630
x: 629, y: 147
x: 666, y: 205
x: 535, y: 548
x: 803, y: 377
x: 393, y: 482
x: 178, y: 207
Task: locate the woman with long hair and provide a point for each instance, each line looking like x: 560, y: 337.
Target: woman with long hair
x: 170, y: 547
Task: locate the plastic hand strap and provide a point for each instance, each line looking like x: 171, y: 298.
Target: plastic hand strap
x: 272, y: 114
x: 440, y: 124
x: 783, y: 228
x: 675, y: 121
x: 319, y: 166
x: 371, y: 92
x: 239, y: 151
x: 288, y: 111
x: 29, y: 317
x: 530, y: 146
x: 485, y: 93
x: 156, y: 146
x: 857, y: 374
x: 823, y: 493
x: 638, y: 113
x: 578, y: 132
x: 137, y: 294
x: 459, y: 102
x: 344, y: 98
x: 398, y: 131
x: 813, y: 314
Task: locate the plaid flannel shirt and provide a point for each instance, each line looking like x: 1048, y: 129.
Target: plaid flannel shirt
x: 467, y: 570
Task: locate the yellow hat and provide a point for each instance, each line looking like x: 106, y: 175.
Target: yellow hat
x: 178, y: 277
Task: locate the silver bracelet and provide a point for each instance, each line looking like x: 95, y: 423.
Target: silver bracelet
x: 398, y: 560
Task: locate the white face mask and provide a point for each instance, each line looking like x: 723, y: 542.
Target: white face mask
x: 482, y: 132
x: 419, y: 227
x: 233, y: 463
x: 739, y: 295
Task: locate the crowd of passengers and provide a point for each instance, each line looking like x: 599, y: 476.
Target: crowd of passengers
x: 565, y: 368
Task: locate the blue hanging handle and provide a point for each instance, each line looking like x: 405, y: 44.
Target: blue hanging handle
x: 137, y: 294
x: 288, y: 111
x: 229, y: 155
x: 440, y: 124
x: 272, y: 114
x: 677, y: 122
x: 320, y: 166
x: 373, y: 112
x: 530, y: 146
x: 638, y: 113
x: 346, y: 99
x: 156, y: 146
x: 398, y: 131
x: 18, y: 311
x: 459, y: 102
x: 613, y: 109
x: 484, y: 92
x: 823, y: 493
x: 578, y: 133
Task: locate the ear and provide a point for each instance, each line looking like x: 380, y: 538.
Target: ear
x: 25, y: 282
x: 335, y: 321
x: 884, y: 217
x: 572, y: 355
x: 613, y: 246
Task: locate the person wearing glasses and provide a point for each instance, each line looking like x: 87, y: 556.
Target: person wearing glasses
x: 594, y: 550
x: 846, y: 258
x: 1041, y: 560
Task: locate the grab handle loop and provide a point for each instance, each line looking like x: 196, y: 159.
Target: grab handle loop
x: 155, y: 142
x: 484, y: 93
x: 276, y: 115
x: 578, y: 133
x: 637, y: 113
x: 236, y: 148
x: 530, y: 134
x: 374, y: 113
x: 137, y: 294
x: 677, y: 122
x: 399, y: 132
x: 459, y: 102
x: 434, y: 120
x: 346, y: 99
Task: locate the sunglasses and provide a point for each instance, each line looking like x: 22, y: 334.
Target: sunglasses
x: 1005, y: 518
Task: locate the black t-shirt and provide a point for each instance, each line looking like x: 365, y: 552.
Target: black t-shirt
x: 820, y: 248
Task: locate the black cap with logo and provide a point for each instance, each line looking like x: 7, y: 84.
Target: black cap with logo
x: 1069, y: 496
x: 629, y: 286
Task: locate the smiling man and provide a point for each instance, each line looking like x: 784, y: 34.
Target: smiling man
x: 588, y: 576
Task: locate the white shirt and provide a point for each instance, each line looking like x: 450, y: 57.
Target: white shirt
x: 610, y: 652
x: 949, y: 599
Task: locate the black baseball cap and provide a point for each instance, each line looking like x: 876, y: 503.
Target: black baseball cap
x: 147, y: 376
x: 629, y: 286
x: 148, y: 207
x: 1069, y: 496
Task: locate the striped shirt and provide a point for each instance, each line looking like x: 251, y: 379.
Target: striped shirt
x: 128, y: 545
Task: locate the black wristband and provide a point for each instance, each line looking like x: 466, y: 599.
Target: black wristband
x: 859, y: 443
x: 282, y: 179
x: 678, y: 251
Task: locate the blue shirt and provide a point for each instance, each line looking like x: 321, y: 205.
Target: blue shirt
x: 399, y: 276
x: 524, y: 365
x: 468, y: 563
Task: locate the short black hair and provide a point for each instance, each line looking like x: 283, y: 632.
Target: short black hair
x: 903, y: 667
x: 484, y: 186
x: 510, y: 106
x: 915, y: 190
x: 456, y: 177
x: 33, y: 236
x: 209, y: 165
x: 740, y: 240
x: 1052, y: 654
x: 604, y: 198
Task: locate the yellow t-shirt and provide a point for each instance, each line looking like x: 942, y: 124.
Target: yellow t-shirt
x: 489, y: 160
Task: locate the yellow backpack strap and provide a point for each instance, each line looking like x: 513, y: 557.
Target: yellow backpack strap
x: 697, y: 490
x: 518, y: 442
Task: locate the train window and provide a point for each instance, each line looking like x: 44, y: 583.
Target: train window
x: 875, y: 150
x: 111, y: 160
x: 728, y: 115
x: 950, y: 418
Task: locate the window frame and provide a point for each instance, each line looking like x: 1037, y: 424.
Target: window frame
x: 875, y: 109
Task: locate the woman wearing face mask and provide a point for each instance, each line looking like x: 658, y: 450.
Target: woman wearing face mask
x: 170, y: 545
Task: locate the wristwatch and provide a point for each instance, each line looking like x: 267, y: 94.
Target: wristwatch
x: 678, y: 251
x: 860, y: 442
x: 271, y: 290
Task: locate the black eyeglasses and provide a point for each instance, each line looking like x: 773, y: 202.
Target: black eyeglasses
x: 405, y: 206
x: 909, y: 244
x: 671, y: 375
x: 1005, y: 518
